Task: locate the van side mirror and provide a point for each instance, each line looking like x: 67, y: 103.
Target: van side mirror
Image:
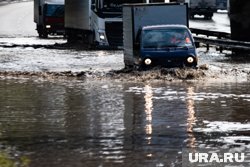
x: 137, y: 45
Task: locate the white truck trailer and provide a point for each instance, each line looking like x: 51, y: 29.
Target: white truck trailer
x: 95, y: 22
x: 49, y: 17
x: 202, y: 7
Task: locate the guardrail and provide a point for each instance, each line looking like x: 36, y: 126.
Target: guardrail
x: 220, y: 39
x: 208, y: 33
x: 224, y: 43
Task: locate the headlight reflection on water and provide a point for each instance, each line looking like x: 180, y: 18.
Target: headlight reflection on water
x: 148, y: 111
x: 191, y: 119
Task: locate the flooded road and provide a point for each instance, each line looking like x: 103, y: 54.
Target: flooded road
x: 42, y: 59
x: 109, y: 117
x: 107, y: 123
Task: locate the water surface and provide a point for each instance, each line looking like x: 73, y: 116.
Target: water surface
x: 106, y: 123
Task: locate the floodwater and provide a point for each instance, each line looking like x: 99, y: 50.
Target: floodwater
x: 111, y: 123
x: 99, y: 120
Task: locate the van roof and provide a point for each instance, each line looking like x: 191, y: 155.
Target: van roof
x: 164, y: 26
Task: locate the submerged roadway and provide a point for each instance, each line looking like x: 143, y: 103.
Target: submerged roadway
x: 116, y: 119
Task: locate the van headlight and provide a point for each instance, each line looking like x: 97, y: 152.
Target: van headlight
x: 190, y: 59
x: 147, y: 61
x: 48, y: 26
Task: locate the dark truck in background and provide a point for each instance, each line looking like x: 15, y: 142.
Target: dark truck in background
x: 157, y: 35
x: 222, y: 4
x: 207, y: 8
x: 49, y: 17
x: 200, y: 7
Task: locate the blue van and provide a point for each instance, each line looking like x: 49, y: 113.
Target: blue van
x: 165, y: 45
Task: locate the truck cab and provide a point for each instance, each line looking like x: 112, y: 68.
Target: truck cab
x: 165, y: 45
x: 97, y: 23
x: 53, y: 19
x: 49, y: 17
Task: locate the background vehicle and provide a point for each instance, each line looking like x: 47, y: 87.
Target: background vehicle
x: 222, y: 4
x: 49, y: 17
x: 148, y: 31
x: 202, y: 7
x: 95, y: 22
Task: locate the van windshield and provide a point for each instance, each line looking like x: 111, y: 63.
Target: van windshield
x: 163, y: 38
x: 54, y: 10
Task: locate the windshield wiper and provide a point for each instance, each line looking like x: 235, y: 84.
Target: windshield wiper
x: 176, y: 46
x: 168, y: 46
x: 150, y: 46
x: 183, y: 47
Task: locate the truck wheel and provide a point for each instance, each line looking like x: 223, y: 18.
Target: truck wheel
x: 208, y: 16
x: 91, y: 40
x: 42, y: 34
x: 191, y: 16
x: 211, y: 15
x: 71, y: 38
